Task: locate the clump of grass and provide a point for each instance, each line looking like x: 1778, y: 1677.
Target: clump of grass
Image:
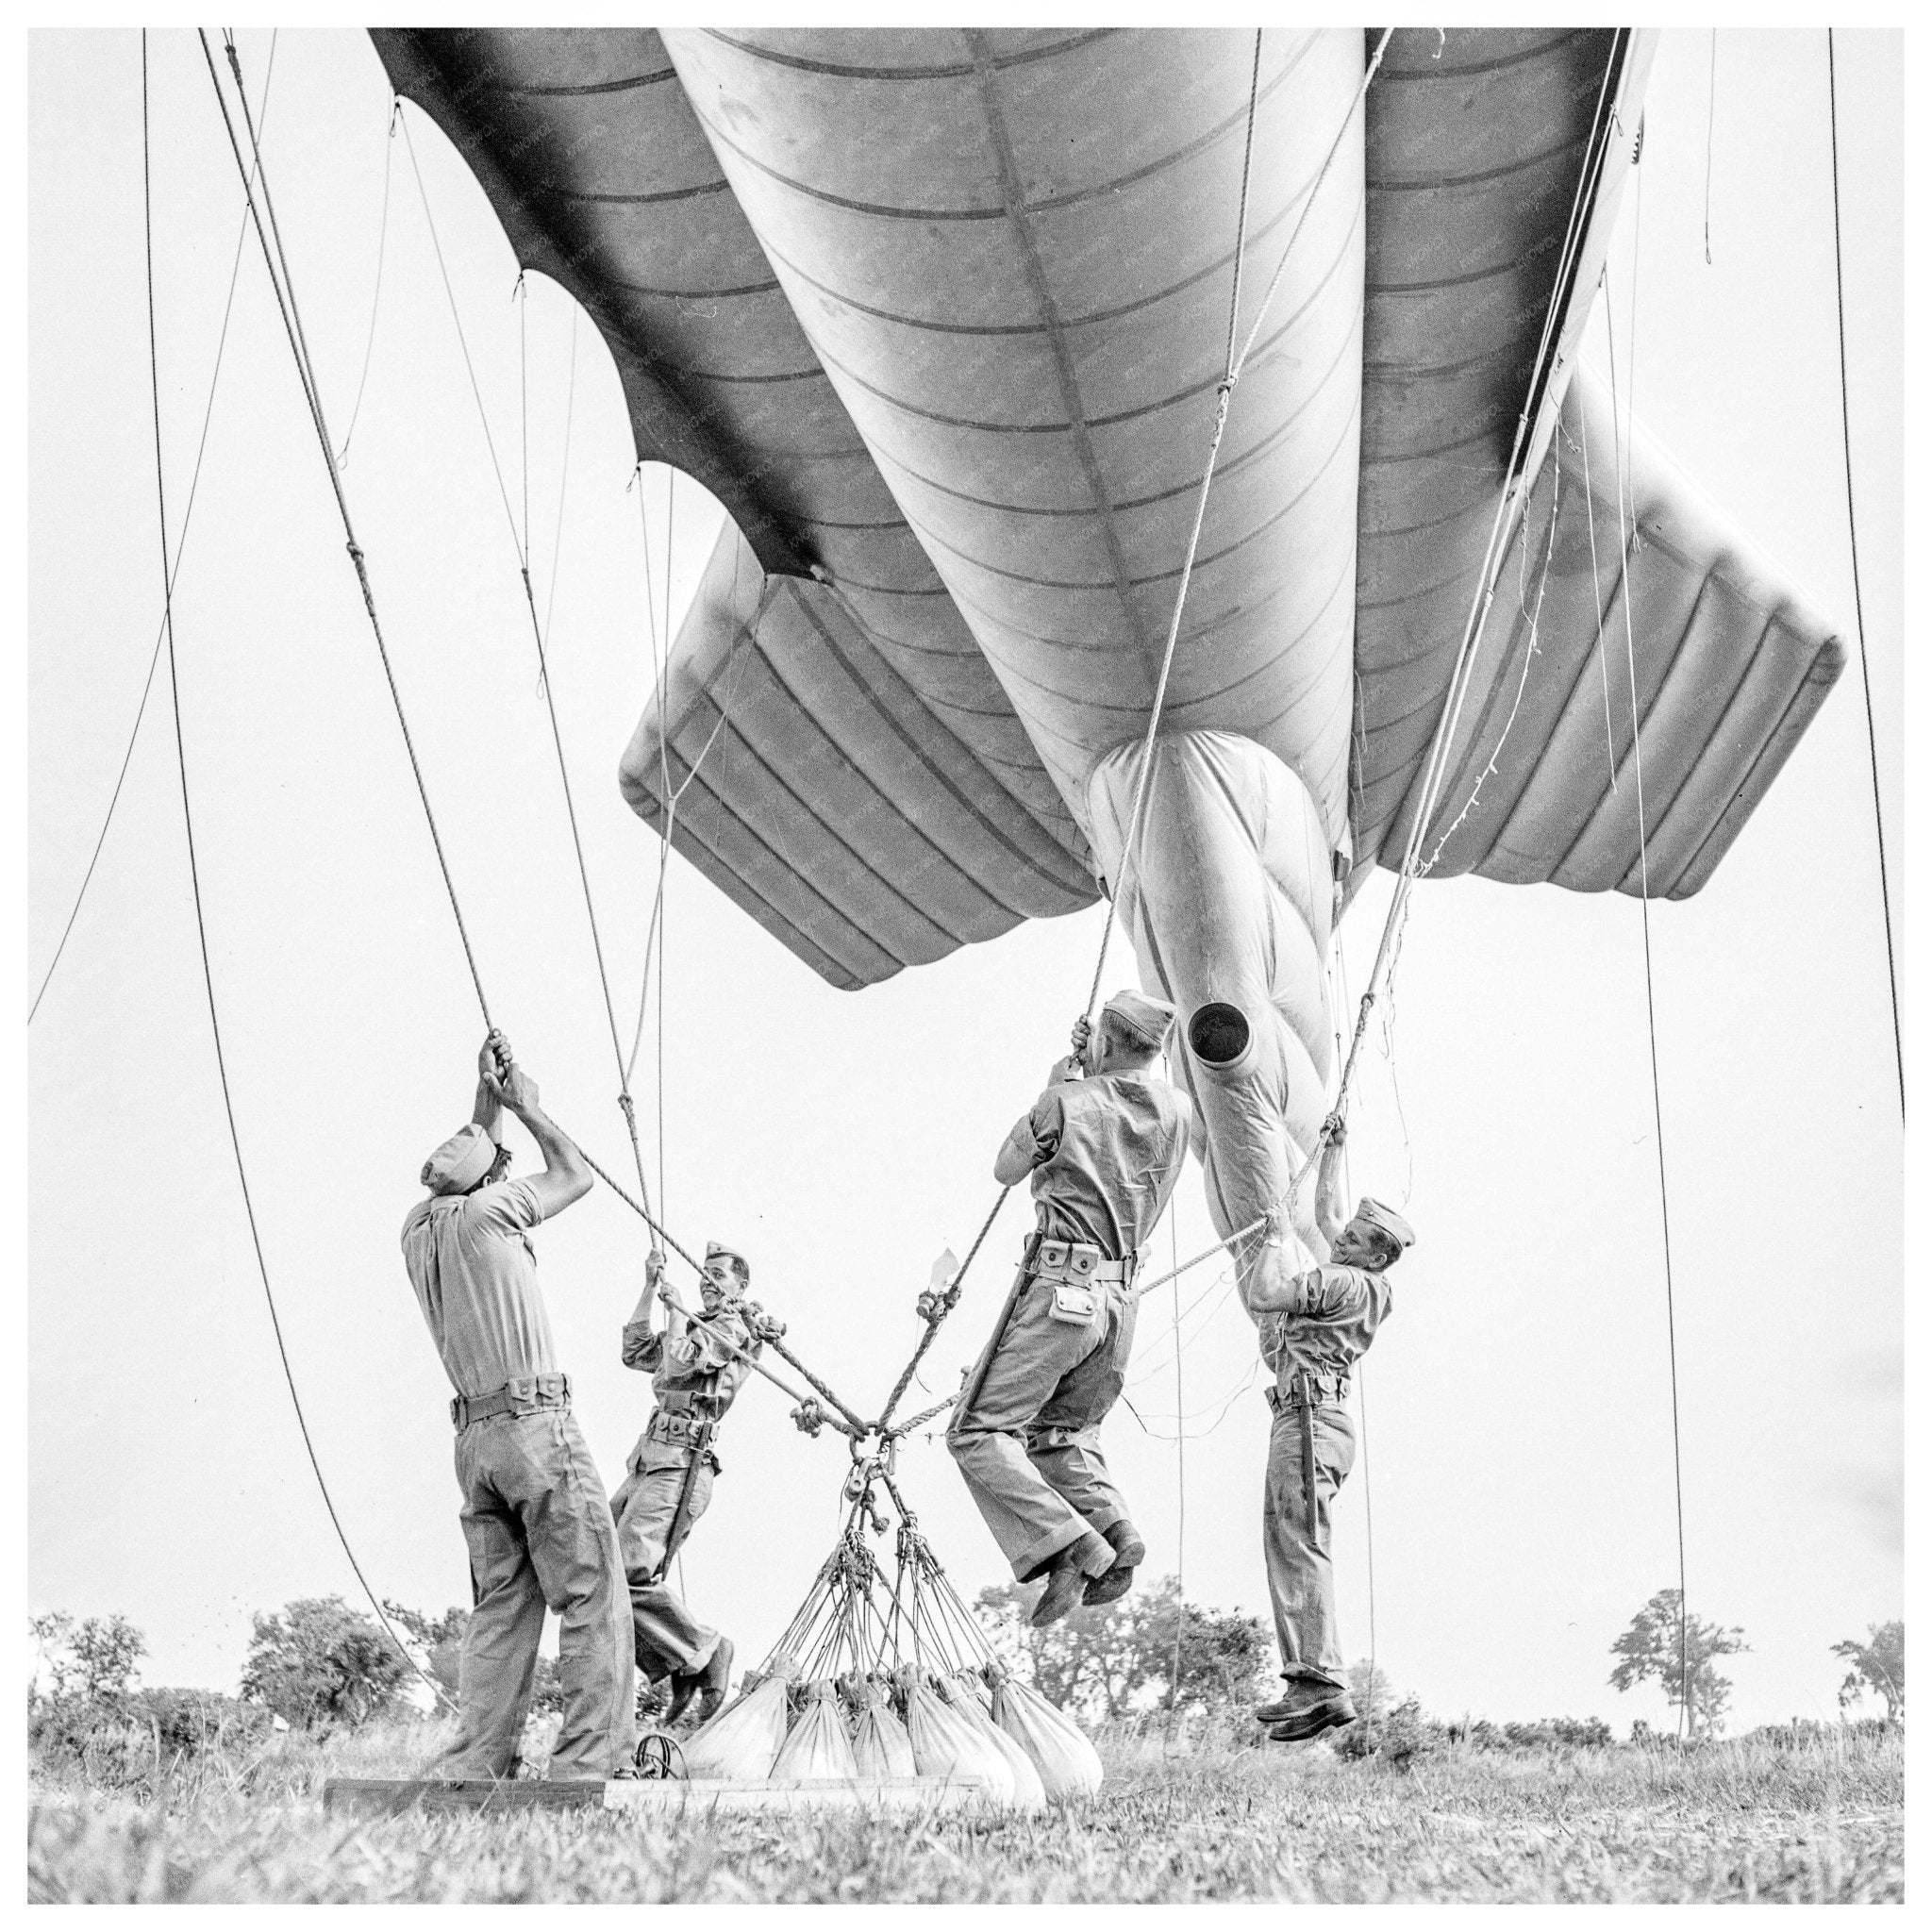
x: 1195, y: 1813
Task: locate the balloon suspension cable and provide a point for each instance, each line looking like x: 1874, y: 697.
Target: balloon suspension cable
x: 201, y: 922
x: 520, y: 542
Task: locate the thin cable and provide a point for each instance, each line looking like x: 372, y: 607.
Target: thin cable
x: 175, y: 570
x: 1596, y: 585
x: 1623, y: 537
x: 200, y: 918
x: 388, y: 155
x: 278, y: 267
x: 1435, y: 771
x: 1180, y: 1409
x: 1857, y: 595
x: 1710, y: 143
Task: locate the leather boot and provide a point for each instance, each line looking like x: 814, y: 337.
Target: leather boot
x: 1064, y: 1582
x: 1128, y: 1552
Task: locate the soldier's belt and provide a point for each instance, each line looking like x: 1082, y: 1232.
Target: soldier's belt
x: 669, y: 1426
x: 522, y: 1395
x: 1334, y: 1390
x: 1075, y: 1262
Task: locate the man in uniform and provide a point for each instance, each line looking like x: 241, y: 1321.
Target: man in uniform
x: 534, y: 1516
x: 1104, y: 1144
x: 695, y: 1374
x: 1314, y: 1327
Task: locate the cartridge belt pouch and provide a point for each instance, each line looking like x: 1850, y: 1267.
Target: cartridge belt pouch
x: 1322, y: 1389
x: 1080, y: 1262
x: 687, y: 1431
x: 522, y: 1395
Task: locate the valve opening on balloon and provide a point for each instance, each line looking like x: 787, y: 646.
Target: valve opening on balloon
x: 1218, y: 1033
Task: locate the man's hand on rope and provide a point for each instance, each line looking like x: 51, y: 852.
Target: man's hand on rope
x: 1334, y: 1129
x: 493, y: 1058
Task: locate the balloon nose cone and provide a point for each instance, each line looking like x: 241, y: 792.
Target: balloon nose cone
x: 1218, y: 1033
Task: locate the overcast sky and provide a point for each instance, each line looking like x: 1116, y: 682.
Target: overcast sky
x: 1518, y: 1433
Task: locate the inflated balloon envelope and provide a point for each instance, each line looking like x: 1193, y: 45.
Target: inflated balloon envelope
x: 940, y: 316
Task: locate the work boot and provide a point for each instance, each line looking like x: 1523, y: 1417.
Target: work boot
x: 1301, y: 1693
x: 1115, y: 1582
x: 707, y: 1683
x: 1330, y: 1713
x: 713, y: 1681
x: 1064, y: 1581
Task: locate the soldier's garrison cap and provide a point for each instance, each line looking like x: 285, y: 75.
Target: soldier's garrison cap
x: 1145, y: 1018
x: 715, y: 1250
x: 1385, y: 1221
x: 460, y: 1162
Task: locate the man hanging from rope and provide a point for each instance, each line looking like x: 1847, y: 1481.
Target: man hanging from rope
x: 1314, y: 1327
x: 1104, y: 1143
x: 534, y: 1516
x: 695, y: 1377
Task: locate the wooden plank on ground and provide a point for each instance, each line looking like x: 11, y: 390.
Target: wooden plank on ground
x: 385, y: 1796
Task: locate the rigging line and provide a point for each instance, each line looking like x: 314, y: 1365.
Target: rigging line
x: 1858, y: 594
x: 664, y: 856
x: 292, y: 328
x: 1625, y: 535
x: 1239, y: 363
x: 1180, y: 1407
x: 174, y: 571
x: 1535, y: 622
x: 1463, y: 672
x: 462, y: 342
x: 1338, y: 970
x: 1596, y: 586
x: 388, y: 155
x: 200, y: 918
x: 570, y: 400
x: 1711, y: 141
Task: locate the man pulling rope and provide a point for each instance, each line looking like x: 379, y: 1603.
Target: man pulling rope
x: 1104, y: 1144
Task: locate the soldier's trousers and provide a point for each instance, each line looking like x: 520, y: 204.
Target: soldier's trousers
x: 1301, y: 1580
x: 539, y: 1533
x: 1030, y: 1448
x: 666, y: 1637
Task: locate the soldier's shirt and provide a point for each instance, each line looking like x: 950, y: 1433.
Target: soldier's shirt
x: 695, y: 1366
x: 473, y: 1268
x: 1329, y: 1324
x: 1107, y: 1153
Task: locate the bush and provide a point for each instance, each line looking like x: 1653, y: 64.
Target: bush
x: 320, y: 1664
x: 1396, y: 1740
x: 1542, y: 1734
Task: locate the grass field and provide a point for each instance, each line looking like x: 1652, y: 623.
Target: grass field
x: 1203, y: 1818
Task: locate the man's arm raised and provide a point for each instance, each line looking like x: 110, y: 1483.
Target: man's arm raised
x: 565, y: 1178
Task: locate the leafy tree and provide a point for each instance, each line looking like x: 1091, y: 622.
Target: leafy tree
x: 1878, y: 1664
x: 1119, y: 1656
x: 319, y: 1663
x: 92, y: 1661
x: 1682, y: 1658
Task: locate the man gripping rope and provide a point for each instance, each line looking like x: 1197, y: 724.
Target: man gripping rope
x: 1314, y: 1327
x: 695, y: 1377
x: 1104, y: 1144
x: 534, y: 1516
